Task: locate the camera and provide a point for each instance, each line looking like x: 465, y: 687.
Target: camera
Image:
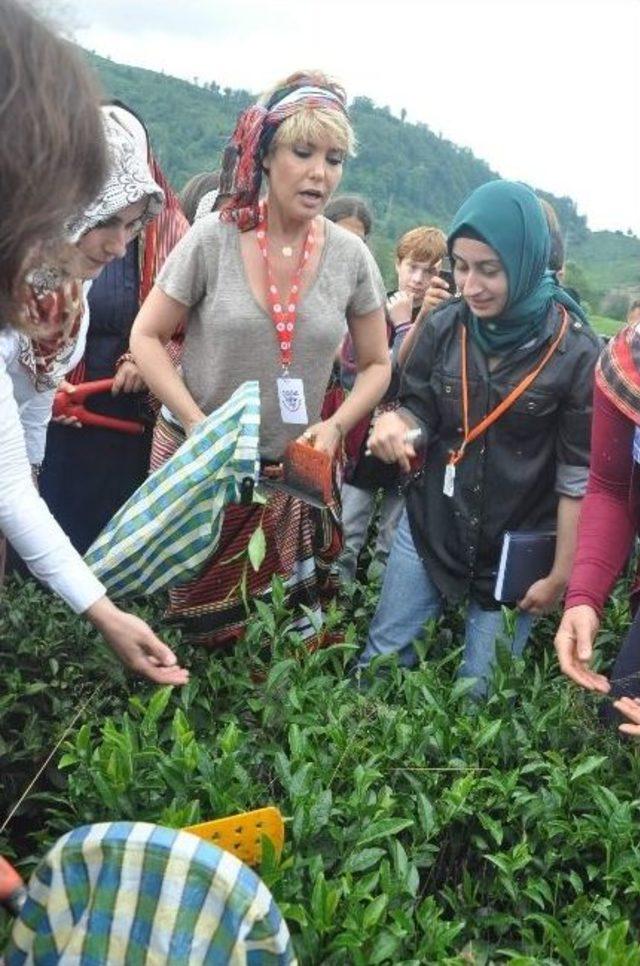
x: 446, y: 273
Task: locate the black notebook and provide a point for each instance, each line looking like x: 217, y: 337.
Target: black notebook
x: 527, y: 556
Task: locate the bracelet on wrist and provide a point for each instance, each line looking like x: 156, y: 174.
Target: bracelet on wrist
x: 125, y: 357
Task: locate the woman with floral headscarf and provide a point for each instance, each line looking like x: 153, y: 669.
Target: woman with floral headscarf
x: 266, y: 290
x: 88, y: 475
x: 31, y: 362
x: 499, y: 383
x: 57, y: 316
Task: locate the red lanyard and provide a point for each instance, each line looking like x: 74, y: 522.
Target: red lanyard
x: 284, y: 315
x: 470, y: 434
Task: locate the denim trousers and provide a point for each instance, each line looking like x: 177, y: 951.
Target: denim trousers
x: 409, y: 598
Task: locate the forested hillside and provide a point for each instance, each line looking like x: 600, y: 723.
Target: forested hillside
x: 409, y: 173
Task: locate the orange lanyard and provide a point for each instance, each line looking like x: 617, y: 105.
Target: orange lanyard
x: 472, y: 434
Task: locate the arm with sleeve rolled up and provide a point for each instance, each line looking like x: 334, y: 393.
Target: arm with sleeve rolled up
x: 389, y: 440
x: 545, y: 594
x: 572, y: 469
x: 403, y: 347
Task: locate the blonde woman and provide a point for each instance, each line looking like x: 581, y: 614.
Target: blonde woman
x: 266, y: 291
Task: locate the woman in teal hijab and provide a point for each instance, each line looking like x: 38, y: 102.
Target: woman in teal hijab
x: 508, y: 217
x: 495, y: 461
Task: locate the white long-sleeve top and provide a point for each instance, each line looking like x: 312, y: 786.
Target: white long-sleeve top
x: 25, y: 519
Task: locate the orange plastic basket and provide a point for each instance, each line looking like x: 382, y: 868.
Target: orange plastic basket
x: 241, y: 834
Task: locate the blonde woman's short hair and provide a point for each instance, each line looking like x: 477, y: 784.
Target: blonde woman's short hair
x: 312, y: 123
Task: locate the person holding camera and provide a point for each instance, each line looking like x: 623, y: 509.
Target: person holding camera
x: 418, y: 257
x: 499, y: 385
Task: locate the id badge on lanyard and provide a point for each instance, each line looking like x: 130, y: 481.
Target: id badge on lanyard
x: 449, y: 479
x: 293, y: 407
x: 291, y: 398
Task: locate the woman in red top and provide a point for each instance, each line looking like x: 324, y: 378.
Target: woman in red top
x: 609, y: 522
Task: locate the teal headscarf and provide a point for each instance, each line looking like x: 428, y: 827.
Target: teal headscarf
x: 508, y: 217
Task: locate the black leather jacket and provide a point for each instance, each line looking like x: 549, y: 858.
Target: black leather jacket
x: 511, y: 477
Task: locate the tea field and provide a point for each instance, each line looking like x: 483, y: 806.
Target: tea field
x: 421, y: 828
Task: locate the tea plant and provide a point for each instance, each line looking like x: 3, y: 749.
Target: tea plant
x: 421, y: 827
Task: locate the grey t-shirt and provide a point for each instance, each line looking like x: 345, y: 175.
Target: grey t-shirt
x: 230, y: 338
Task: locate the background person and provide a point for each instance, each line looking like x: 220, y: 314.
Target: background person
x: 89, y: 472
x: 608, y: 524
x: 527, y: 467
x: 418, y: 256
x: 633, y: 315
x: 42, y: 79
x: 352, y: 213
x: 200, y: 195
x: 267, y: 288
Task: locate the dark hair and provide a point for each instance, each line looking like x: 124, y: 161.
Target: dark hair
x: 194, y: 191
x: 116, y: 102
x: 53, y: 156
x: 633, y: 306
x: 350, y: 206
x: 556, y: 252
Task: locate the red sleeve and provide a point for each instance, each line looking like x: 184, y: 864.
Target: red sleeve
x: 609, y: 514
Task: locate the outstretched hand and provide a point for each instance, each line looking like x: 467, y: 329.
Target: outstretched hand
x: 135, y: 644
x: 630, y: 708
x: 574, y: 647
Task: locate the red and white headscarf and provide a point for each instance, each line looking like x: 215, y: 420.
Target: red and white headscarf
x: 241, y: 175
x: 618, y: 371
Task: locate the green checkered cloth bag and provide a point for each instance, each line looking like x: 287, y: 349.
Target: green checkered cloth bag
x: 170, y: 526
x: 143, y: 895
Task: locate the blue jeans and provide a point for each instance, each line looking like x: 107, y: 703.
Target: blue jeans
x: 409, y: 598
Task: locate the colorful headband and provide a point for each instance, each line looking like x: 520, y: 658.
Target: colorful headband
x: 241, y: 174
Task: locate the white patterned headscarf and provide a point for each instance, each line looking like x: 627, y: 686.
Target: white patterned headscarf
x: 129, y: 180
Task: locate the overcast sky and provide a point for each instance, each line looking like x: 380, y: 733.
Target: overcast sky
x: 546, y: 91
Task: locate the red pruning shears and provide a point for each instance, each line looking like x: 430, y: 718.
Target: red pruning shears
x: 72, y: 404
